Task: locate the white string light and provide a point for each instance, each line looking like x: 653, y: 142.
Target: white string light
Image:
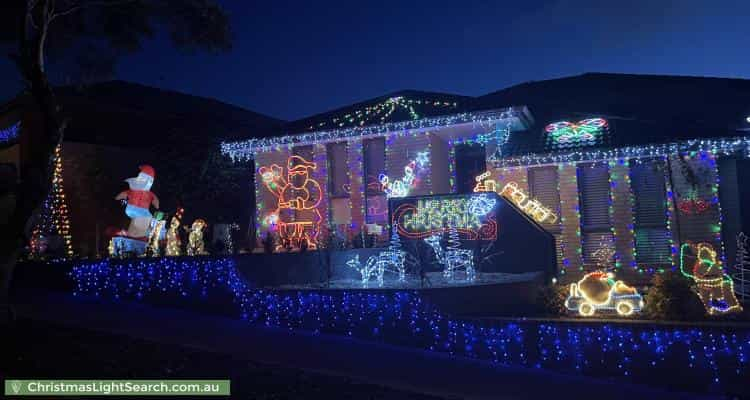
x: 244, y: 150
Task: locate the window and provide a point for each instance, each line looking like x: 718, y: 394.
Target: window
x: 650, y: 214
x: 340, y: 211
x: 543, y: 187
x: 374, y: 164
x: 594, y: 199
x: 470, y: 162
x: 338, y: 176
x: 376, y: 204
x: 305, y: 152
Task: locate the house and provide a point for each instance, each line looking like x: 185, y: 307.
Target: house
x: 631, y: 164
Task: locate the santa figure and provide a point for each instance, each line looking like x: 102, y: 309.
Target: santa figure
x: 139, y: 200
x: 298, y: 198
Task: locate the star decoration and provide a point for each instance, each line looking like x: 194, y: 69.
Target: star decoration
x: 603, y: 255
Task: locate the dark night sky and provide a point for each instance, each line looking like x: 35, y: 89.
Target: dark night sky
x: 293, y: 60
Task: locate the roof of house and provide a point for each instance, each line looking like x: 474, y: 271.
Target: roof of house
x: 131, y: 115
x: 398, y: 106
x: 639, y: 109
x: 406, y: 110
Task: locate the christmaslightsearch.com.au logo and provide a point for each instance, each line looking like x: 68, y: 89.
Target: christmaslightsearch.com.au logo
x: 98, y: 387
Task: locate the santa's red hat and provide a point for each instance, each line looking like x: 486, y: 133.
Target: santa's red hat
x: 148, y: 170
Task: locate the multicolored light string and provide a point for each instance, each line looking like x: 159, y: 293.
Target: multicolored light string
x: 671, y: 214
x: 54, y: 214
x: 613, y: 180
x: 381, y: 112
x: 452, y: 165
x: 715, y: 200
x: 725, y: 146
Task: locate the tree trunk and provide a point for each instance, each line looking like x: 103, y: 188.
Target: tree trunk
x: 36, y: 169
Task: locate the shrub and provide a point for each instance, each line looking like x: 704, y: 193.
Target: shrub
x: 672, y: 297
x: 552, y: 299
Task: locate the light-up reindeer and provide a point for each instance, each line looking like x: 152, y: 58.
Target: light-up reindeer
x: 298, y: 196
x: 452, y: 259
x: 368, y: 271
x: 392, y: 260
x: 377, y: 265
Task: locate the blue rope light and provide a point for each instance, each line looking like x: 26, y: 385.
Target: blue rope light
x: 10, y: 133
x: 709, y: 361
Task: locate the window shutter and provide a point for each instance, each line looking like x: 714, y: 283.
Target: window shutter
x: 376, y: 204
x: 543, y: 187
x: 305, y: 152
x: 338, y: 178
x: 594, y: 197
x: 696, y: 227
x: 651, y: 234
x: 374, y: 164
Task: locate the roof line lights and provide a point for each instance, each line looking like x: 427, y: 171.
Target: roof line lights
x: 723, y: 146
x: 246, y: 149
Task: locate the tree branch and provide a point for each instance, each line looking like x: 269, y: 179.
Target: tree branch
x: 88, y: 4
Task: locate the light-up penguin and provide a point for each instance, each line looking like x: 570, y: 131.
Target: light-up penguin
x: 298, y: 199
x: 139, y: 200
